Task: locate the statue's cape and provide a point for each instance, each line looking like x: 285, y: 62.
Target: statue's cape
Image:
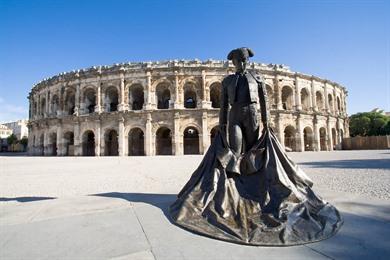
x: 259, y: 198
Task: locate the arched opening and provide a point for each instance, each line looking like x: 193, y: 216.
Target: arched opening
x: 54, y: 105
x: 213, y: 133
x: 215, y: 95
x: 334, y: 138
x: 43, y: 107
x: 136, y: 97
x: 111, y: 99
x: 308, y: 139
x: 191, y: 140
x: 305, y: 99
x: 320, y: 101
x: 41, y: 145
x: 53, y: 144
x: 330, y: 102
x: 163, y: 141
x: 70, y: 102
x: 289, y: 138
x: 90, y: 100
x: 270, y: 96
x: 189, y: 96
x: 136, y: 142
x: 323, y: 139
x: 111, y: 143
x: 338, y: 104
x: 69, y: 143
x: 88, y: 144
x: 287, y: 98
x: 163, y: 96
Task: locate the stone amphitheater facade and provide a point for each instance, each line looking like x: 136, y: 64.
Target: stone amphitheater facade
x: 172, y: 107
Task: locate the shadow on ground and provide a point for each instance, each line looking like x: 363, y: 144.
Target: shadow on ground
x: 26, y: 199
x: 351, y: 164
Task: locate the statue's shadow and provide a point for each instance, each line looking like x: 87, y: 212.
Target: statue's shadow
x: 161, y: 201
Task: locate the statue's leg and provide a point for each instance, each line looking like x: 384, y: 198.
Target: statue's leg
x: 235, y: 138
x: 250, y: 128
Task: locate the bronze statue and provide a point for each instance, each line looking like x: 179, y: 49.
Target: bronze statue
x: 246, y: 190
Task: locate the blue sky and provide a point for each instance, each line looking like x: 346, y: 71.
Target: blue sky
x: 344, y: 41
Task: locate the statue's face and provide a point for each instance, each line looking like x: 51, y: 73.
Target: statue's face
x: 240, y: 64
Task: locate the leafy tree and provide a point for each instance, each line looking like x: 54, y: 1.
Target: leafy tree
x: 24, y: 141
x: 369, y: 123
x: 12, y: 139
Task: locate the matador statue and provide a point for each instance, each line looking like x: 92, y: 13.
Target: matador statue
x: 246, y: 189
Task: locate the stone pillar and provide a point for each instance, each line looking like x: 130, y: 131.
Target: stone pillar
x: 46, y: 143
x: 205, y: 134
x: 121, y: 137
x: 313, y: 96
x: 178, y: 92
x: 98, y: 138
x: 330, y: 137
x: 60, y: 140
x: 148, y: 135
x: 206, y: 103
x: 278, y: 93
x: 298, y: 105
x: 47, y: 104
x: 280, y: 132
x: 177, y: 142
x: 316, y: 141
x: 300, y: 138
x: 77, y: 141
x: 77, y: 97
x: 326, y: 98
x: 335, y: 108
x: 98, y: 107
x: 149, y: 94
x: 122, y: 106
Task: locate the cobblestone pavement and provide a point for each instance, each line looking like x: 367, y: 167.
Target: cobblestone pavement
x: 360, y: 172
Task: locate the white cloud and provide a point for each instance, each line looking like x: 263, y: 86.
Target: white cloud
x: 10, y: 112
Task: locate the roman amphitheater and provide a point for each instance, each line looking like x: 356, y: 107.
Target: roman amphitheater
x: 172, y: 107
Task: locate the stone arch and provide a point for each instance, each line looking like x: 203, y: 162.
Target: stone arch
x: 323, y: 139
x: 136, y: 96
x: 136, y: 140
x: 191, y: 140
x: 320, y: 101
x: 270, y: 96
x: 287, y: 98
x: 70, y: 101
x: 69, y: 143
x: 213, y: 133
x: 190, y: 95
x: 163, y: 95
x: 89, y: 99
x: 54, y: 104
x: 330, y: 102
x: 305, y: 99
x: 111, y: 99
x: 338, y: 104
x: 215, y: 94
x: 290, y: 137
x: 163, y: 141
x: 43, y: 107
x: 308, y: 139
x: 88, y: 143
x: 111, y: 143
x: 52, y: 144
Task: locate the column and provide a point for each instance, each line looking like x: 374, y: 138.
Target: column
x: 177, y: 142
x: 205, y: 134
x: 335, y: 108
x: 60, y: 140
x: 46, y: 143
x: 98, y: 107
x: 149, y: 95
x: 330, y: 138
x: 77, y: 102
x: 122, y: 105
x: 47, y: 104
x: 326, y: 98
x: 97, y: 138
x: 77, y: 143
x: 206, y: 103
x: 317, y: 145
x: 313, y: 96
x: 280, y: 132
x: 148, y: 135
x: 297, y: 95
x: 278, y: 93
x: 177, y: 101
x: 300, y: 138
x: 121, y: 137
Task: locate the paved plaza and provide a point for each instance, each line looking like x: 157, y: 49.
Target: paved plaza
x: 116, y: 208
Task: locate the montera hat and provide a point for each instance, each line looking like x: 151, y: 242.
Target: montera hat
x: 242, y: 53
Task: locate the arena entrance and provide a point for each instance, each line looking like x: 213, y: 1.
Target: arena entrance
x: 191, y: 141
x: 88, y: 143
x: 136, y: 142
x: 323, y: 139
x: 308, y: 139
x: 163, y: 141
x: 111, y: 143
x: 69, y: 143
x: 289, y: 138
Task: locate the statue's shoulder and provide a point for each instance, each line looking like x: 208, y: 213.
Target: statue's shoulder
x: 229, y: 79
x: 256, y: 75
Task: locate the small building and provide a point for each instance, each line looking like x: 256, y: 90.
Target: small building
x: 5, y: 131
x: 19, y: 128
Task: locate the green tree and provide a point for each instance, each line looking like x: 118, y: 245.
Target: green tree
x: 24, y: 141
x: 369, y: 123
x: 12, y: 139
